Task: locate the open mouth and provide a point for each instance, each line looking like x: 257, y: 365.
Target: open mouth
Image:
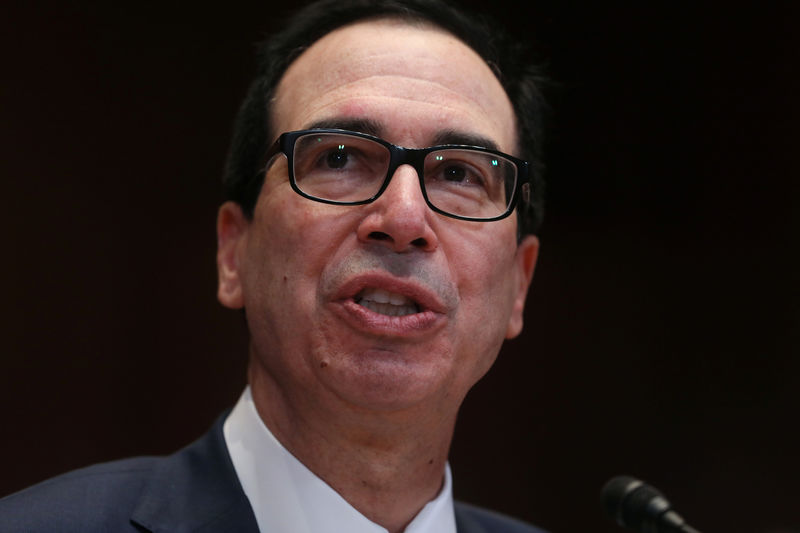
x: 386, y: 303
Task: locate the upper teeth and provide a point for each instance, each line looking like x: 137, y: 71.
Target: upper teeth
x: 387, y: 303
x: 385, y: 297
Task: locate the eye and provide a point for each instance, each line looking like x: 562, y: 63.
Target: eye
x: 461, y: 174
x: 337, y: 158
x: 454, y: 173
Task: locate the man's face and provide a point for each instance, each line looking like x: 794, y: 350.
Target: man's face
x: 304, y: 270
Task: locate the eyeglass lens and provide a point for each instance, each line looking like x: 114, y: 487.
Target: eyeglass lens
x: 347, y: 168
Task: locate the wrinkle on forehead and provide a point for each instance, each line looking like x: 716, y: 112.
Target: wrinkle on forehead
x: 414, y: 64
x: 360, y: 64
x: 389, y: 83
x: 434, y: 111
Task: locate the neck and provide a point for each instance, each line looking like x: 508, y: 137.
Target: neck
x: 386, y: 465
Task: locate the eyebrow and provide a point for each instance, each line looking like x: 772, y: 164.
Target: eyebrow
x: 464, y: 138
x: 375, y: 128
x: 361, y: 125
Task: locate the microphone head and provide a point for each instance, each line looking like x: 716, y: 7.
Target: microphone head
x: 635, y: 505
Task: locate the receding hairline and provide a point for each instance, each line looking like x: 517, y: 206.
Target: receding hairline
x: 408, y: 19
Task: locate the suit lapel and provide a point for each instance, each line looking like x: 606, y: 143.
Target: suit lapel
x: 196, y: 490
x: 465, y: 522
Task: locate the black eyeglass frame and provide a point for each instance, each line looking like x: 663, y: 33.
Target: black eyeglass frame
x: 398, y: 155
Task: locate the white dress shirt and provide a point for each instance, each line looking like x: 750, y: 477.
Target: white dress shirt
x: 287, y: 497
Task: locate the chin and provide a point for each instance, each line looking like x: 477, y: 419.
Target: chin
x: 383, y: 380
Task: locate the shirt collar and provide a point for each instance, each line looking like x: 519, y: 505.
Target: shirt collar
x: 287, y: 497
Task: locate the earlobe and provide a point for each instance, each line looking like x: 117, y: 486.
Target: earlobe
x: 527, y: 253
x: 231, y: 232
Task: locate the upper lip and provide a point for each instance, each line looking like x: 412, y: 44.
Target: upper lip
x: 425, y: 298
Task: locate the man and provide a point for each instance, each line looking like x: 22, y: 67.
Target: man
x: 378, y: 276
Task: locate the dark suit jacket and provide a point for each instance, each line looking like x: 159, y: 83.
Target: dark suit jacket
x: 195, y: 489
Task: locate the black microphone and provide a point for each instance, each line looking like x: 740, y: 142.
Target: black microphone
x: 640, y: 507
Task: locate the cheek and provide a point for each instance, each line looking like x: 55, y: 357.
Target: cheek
x: 485, y: 263
x: 486, y: 308
x: 272, y: 251
x: 486, y: 273
x: 283, y: 270
x: 297, y: 239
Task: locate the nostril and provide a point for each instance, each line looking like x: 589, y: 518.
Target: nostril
x: 419, y: 242
x: 379, y: 236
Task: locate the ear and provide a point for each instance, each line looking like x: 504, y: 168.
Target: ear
x: 527, y: 253
x: 231, y: 233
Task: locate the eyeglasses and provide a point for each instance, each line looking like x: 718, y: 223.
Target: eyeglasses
x: 349, y: 168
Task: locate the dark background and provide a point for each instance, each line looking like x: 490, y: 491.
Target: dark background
x: 662, y: 331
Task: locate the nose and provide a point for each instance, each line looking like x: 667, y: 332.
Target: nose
x: 400, y: 218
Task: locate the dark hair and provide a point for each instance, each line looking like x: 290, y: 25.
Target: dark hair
x: 521, y: 80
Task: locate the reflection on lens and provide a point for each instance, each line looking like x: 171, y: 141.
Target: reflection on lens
x: 338, y: 167
x: 469, y: 182
x: 344, y: 168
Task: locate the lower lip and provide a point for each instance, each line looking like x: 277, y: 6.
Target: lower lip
x: 371, y: 322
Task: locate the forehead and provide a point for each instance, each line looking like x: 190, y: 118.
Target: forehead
x: 413, y: 80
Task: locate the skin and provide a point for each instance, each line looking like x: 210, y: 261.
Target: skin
x: 369, y: 402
